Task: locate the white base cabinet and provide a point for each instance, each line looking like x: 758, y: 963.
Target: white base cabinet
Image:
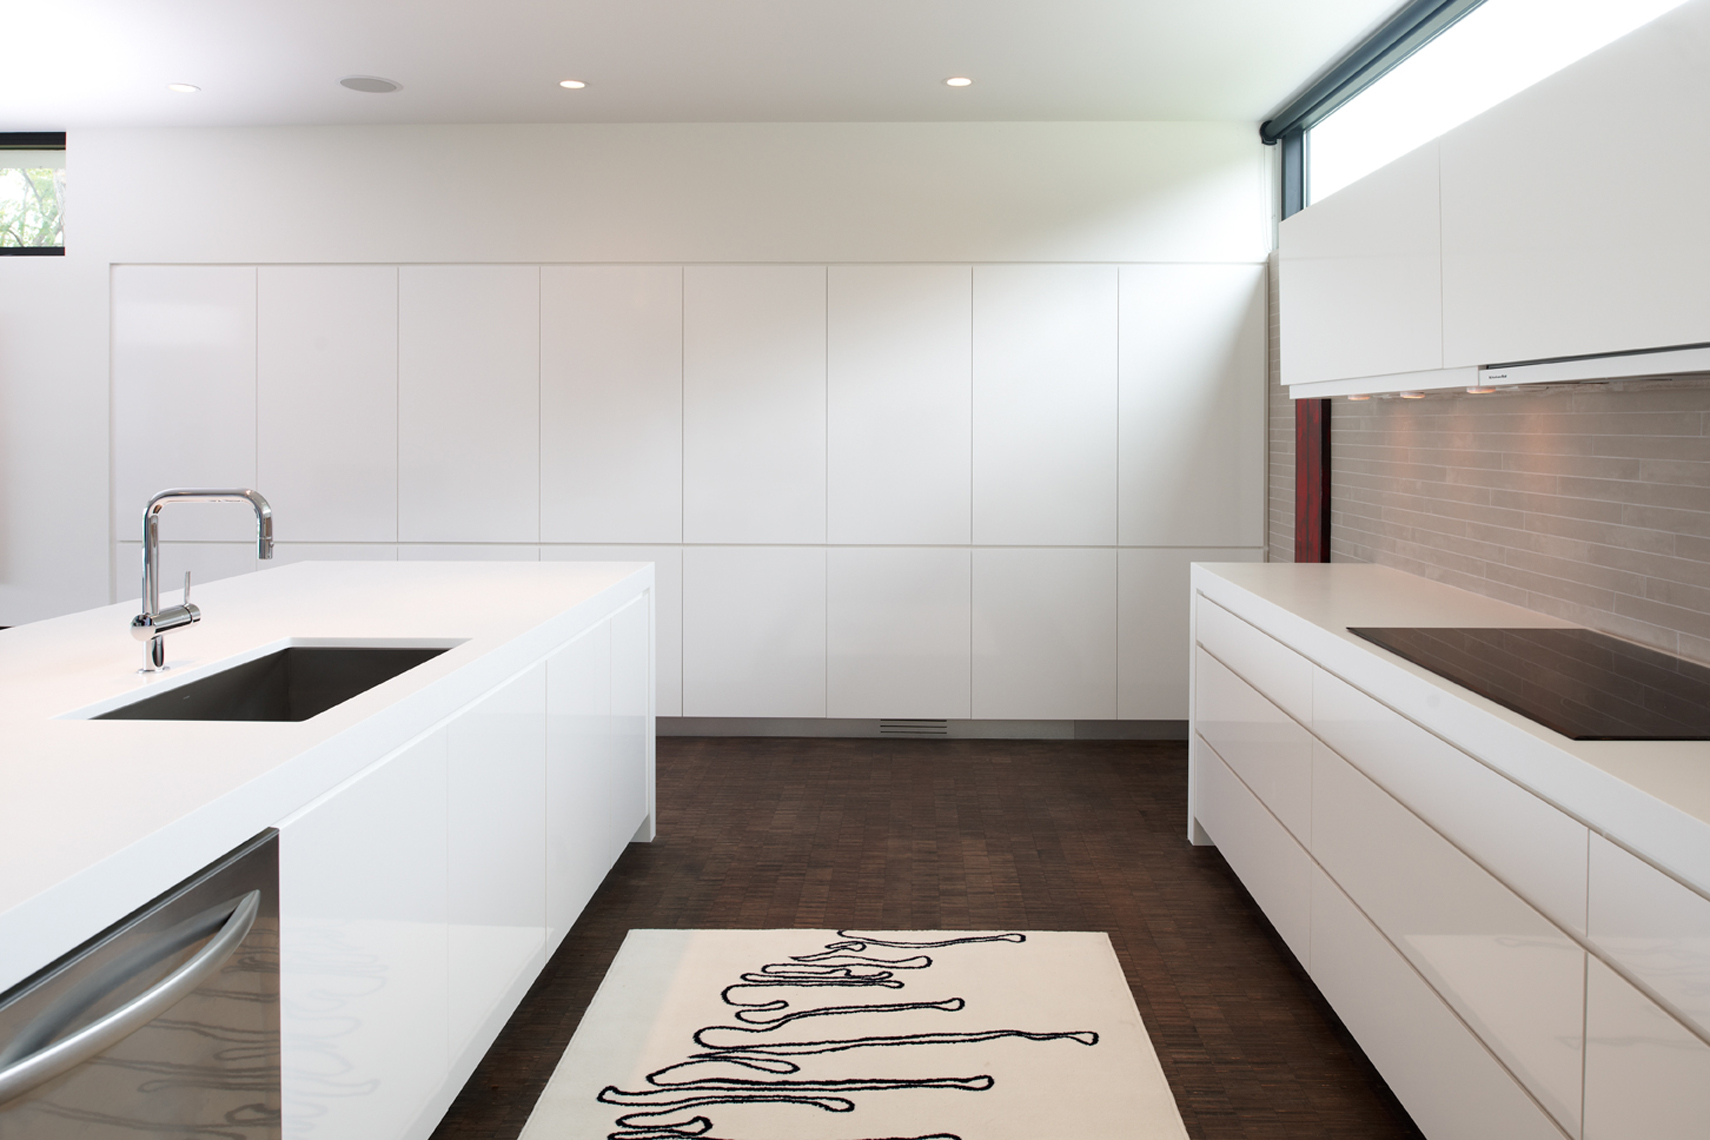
x: 419, y: 900
x: 1509, y: 974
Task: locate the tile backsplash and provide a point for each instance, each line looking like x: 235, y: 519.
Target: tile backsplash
x: 1590, y: 502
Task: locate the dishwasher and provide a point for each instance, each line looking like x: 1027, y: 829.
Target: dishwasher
x: 164, y: 1024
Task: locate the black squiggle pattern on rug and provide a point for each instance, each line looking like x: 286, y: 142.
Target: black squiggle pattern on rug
x: 670, y: 1108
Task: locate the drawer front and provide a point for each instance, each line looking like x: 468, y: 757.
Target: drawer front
x: 1515, y: 978
x: 1270, y: 864
x: 1528, y: 844
x: 1646, y: 1076
x: 1448, y: 1082
x: 1260, y: 659
x: 1656, y: 929
x: 1268, y: 750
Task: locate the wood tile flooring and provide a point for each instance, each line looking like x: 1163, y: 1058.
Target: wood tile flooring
x: 914, y: 834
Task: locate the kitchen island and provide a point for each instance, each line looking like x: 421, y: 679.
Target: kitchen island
x: 1514, y: 925
x: 439, y: 832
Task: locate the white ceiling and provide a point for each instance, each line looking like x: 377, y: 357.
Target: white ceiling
x: 75, y: 63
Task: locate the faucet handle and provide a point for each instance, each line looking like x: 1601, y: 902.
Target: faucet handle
x: 186, y: 587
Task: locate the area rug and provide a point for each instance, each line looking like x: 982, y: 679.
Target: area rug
x: 860, y: 1035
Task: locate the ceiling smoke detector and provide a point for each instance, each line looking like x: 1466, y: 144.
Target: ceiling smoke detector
x: 370, y: 84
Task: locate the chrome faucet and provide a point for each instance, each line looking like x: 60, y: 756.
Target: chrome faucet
x: 153, y: 624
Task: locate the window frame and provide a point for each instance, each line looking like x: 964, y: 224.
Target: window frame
x: 31, y: 140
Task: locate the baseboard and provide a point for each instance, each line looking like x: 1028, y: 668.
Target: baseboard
x: 923, y: 729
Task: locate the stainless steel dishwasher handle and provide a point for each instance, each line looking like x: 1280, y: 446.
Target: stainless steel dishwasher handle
x: 68, y: 1053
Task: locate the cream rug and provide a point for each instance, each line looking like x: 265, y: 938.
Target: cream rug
x: 860, y: 1035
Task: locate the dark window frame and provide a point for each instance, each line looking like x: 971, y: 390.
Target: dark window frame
x: 31, y: 140
x: 1411, y: 28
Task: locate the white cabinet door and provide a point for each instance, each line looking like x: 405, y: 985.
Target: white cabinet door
x: 1513, y: 977
x: 754, y: 403
x: 1045, y: 404
x: 667, y: 609
x: 326, y: 422
x: 1260, y: 743
x: 362, y: 900
x: 1657, y: 929
x: 183, y: 395
x: 754, y: 631
x: 1044, y: 634
x: 469, y: 403
x: 1647, y: 1077
x: 1573, y: 213
x: 1359, y: 288
x: 1274, y: 868
x: 1193, y: 405
x: 496, y: 850
x: 1274, y: 669
x: 897, y: 633
x: 1152, y: 599
x: 611, y: 403
x: 898, y: 392
x: 580, y: 757
x: 1448, y: 1082
x: 629, y: 793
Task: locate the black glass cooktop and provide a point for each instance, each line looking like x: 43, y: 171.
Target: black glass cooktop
x: 1584, y: 685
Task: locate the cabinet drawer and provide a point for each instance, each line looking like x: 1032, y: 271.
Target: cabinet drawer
x: 1647, y: 1077
x: 1513, y: 977
x: 1448, y: 1081
x: 1270, y: 752
x: 1657, y: 929
x: 1528, y: 844
x: 1258, y: 658
x: 1271, y: 865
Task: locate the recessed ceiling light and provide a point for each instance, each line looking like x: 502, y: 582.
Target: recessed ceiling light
x: 958, y: 81
x: 573, y: 84
x: 183, y: 88
x: 370, y: 84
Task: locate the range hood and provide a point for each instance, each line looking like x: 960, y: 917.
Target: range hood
x: 1640, y: 364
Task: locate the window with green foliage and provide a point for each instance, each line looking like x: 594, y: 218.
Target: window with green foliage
x: 32, y: 198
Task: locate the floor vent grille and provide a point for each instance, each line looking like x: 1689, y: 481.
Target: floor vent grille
x: 914, y: 728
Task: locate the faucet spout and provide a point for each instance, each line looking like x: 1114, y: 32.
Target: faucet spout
x: 153, y: 624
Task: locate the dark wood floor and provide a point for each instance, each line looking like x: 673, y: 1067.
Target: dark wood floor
x: 953, y: 835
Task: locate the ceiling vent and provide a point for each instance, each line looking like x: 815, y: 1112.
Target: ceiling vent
x: 370, y: 84
x: 914, y: 728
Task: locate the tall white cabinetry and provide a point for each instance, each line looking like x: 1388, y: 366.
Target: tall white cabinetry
x: 871, y: 491
x: 420, y: 899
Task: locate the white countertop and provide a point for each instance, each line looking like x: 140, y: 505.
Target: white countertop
x: 99, y: 816
x: 1652, y: 797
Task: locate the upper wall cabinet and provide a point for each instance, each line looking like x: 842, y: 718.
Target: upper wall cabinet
x: 1361, y: 289
x: 611, y: 403
x: 183, y: 394
x: 1573, y: 214
x: 754, y: 403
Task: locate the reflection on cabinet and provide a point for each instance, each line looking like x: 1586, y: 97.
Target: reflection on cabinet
x: 420, y: 898
x: 1647, y: 1077
x: 1652, y: 926
x: 1274, y: 868
x: 362, y: 903
x: 496, y: 850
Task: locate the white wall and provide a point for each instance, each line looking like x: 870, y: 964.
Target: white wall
x: 830, y: 382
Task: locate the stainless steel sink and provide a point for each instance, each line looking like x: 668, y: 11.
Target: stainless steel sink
x: 293, y: 684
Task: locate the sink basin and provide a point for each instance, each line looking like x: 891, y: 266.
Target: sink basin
x: 295, y: 683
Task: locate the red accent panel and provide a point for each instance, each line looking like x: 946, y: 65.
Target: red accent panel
x: 1312, y: 480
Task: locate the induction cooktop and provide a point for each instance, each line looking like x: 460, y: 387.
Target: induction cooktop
x: 1584, y: 685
